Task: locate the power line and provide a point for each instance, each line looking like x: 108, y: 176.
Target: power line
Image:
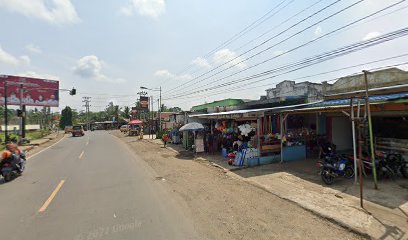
x: 242, y: 87
x: 264, y: 42
x: 300, y: 46
x: 270, y: 30
x: 237, y: 89
x: 241, y: 33
x: 317, y: 58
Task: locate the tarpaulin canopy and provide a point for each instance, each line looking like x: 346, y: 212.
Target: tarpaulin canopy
x: 193, y: 126
x: 134, y: 122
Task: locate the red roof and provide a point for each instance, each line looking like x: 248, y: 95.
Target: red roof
x: 135, y: 121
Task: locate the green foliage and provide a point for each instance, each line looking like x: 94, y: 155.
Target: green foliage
x: 66, y: 117
x: 160, y: 134
x: 126, y: 112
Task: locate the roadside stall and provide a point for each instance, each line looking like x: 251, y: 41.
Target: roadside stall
x: 198, y: 139
x: 234, y: 134
x: 135, y: 127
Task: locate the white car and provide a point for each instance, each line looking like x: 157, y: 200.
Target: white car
x: 124, y: 128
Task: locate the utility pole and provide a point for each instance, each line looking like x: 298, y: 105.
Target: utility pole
x: 370, y: 130
x: 160, y: 109
x: 159, y: 115
x: 151, y: 116
x: 87, y: 100
x: 22, y: 109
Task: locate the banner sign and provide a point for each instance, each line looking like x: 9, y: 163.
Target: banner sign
x: 36, y: 92
x: 144, y: 102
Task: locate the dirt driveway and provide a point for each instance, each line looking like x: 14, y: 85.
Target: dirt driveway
x: 224, y: 207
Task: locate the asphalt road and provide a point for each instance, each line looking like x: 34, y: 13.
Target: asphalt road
x: 90, y: 187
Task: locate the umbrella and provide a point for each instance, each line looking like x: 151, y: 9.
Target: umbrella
x: 193, y: 126
x: 136, y: 121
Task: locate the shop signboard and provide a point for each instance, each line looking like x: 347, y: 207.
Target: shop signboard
x: 254, y: 114
x: 36, y: 91
x: 134, y: 112
x: 144, y: 102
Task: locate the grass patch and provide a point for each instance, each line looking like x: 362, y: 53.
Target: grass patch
x: 29, y: 135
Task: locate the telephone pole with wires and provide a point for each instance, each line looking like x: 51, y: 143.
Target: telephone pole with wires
x: 87, y: 100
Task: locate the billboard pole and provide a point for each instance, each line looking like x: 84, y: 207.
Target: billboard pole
x: 5, y: 113
x: 22, y: 132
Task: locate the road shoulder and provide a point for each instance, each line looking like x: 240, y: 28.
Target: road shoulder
x: 225, y: 207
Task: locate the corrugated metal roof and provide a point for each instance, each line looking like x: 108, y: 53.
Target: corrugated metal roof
x: 378, y: 98
x: 252, y: 110
x: 341, y: 103
x: 332, y: 104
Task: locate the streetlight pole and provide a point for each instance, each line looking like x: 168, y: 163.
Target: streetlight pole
x: 159, y: 103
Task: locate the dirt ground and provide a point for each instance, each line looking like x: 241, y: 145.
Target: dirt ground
x: 224, y: 207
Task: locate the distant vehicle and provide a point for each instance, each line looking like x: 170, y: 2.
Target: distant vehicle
x: 124, y: 128
x: 68, y: 129
x: 77, y: 131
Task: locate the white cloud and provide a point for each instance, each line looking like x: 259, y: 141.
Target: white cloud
x: 225, y: 55
x: 8, y: 58
x: 201, y: 62
x: 25, y: 59
x: 33, y: 49
x: 168, y: 75
x: 318, y: 31
x: 91, y: 67
x: 371, y: 35
x: 52, y: 11
x: 127, y: 11
x: 149, y: 8
x: 38, y: 75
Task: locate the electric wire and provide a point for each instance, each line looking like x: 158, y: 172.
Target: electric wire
x: 317, y: 58
x: 302, y: 45
x: 266, y: 41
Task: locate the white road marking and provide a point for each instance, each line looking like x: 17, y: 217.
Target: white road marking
x: 82, y: 153
x: 35, y: 154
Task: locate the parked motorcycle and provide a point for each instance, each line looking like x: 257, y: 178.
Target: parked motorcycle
x: 388, y: 165
x: 9, y: 171
x: 396, y: 163
x: 335, y: 166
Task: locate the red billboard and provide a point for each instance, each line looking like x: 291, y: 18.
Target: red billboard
x: 36, y: 92
x: 144, y: 102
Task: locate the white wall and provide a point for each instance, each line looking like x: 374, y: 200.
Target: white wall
x: 341, y: 133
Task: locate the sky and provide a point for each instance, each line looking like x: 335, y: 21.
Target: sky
x: 195, y: 50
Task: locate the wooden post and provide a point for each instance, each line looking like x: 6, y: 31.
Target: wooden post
x: 370, y: 130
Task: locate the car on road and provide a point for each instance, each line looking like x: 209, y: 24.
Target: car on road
x: 77, y: 131
x: 68, y: 129
x: 124, y: 128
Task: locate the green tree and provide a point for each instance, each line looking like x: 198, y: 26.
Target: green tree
x: 10, y: 114
x: 175, y: 109
x: 126, y: 112
x: 66, y: 117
